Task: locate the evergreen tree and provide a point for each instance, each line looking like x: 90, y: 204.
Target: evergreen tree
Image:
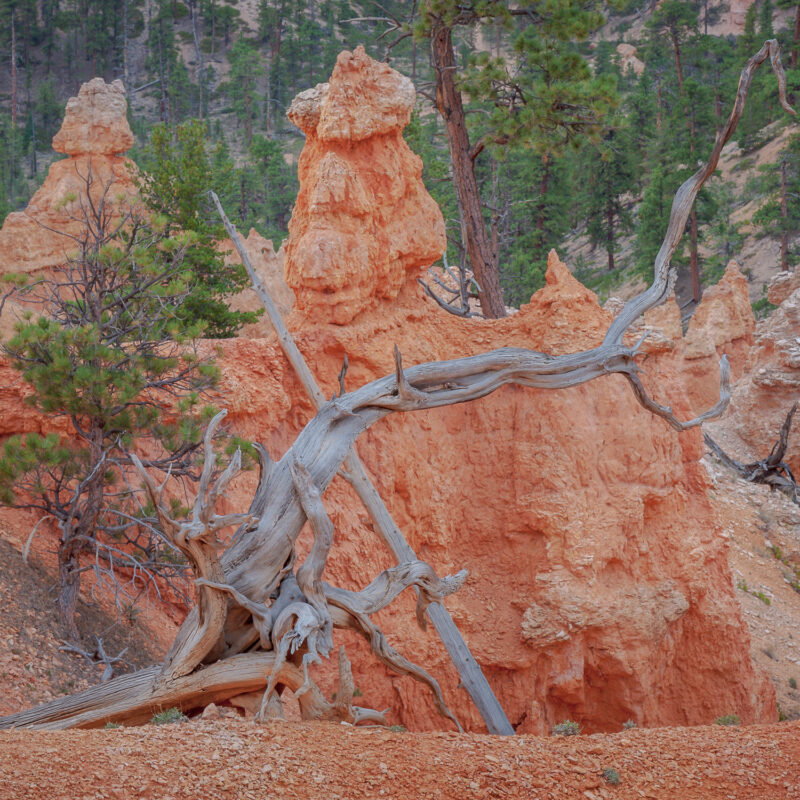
x: 677, y: 22
x: 246, y: 69
x: 780, y: 215
x: 268, y: 187
x: 174, y: 184
x: 613, y: 173
x: 652, y: 218
x: 541, y: 212
x: 549, y: 100
x: 108, y: 352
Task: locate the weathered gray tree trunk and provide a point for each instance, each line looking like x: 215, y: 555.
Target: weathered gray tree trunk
x: 470, y: 673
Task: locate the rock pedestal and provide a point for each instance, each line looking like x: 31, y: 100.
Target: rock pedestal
x: 94, y: 134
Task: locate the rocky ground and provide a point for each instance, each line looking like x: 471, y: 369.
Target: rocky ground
x: 33, y: 667
x: 764, y: 556
x: 234, y: 759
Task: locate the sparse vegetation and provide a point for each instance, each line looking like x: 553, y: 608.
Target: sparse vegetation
x: 610, y: 775
x: 742, y: 584
x: 566, y: 728
x: 728, y: 719
x: 168, y: 717
x: 629, y: 725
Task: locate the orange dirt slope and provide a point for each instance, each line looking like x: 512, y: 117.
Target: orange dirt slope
x: 237, y: 761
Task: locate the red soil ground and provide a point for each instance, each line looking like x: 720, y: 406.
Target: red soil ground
x: 235, y: 759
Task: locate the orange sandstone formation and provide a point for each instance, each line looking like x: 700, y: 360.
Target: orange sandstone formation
x: 94, y: 134
x: 598, y: 587
x: 269, y: 267
x: 723, y: 323
x: 770, y: 383
x: 363, y: 220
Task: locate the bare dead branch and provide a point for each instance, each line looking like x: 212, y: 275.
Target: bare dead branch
x: 772, y: 470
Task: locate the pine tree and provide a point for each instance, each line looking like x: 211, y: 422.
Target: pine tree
x: 780, y: 215
x: 174, y: 184
x: 613, y: 173
x: 246, y: 69
x: 108, y: 352
x: 550, y: 99
x: 652, y: 217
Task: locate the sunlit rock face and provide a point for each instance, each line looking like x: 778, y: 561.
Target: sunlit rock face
x: 363, y: 221
x: 94, y: 135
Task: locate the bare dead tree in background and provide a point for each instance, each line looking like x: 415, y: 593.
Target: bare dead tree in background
x: 260, y: 622
x: 772, y: 470
x: 456, y: 288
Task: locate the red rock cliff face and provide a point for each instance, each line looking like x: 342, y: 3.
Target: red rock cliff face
x: 770, y: 382
x: 599, y: 589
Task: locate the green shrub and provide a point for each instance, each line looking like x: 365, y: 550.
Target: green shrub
x: 168, y: 716
x: 610, y: 775
x: 793, y: 683
x: 566, y: 728
x: 629, y: 725
x: 728, y: 719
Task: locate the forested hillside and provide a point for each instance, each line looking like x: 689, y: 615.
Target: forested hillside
x: 572, y: 136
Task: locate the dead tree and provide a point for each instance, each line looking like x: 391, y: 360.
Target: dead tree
x: 772, y: 470
x: 453, y: 296
x: 261, y: 621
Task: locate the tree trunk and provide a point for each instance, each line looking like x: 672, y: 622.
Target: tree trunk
x: 13, y: 72
x: 162, y: 82
x: 69, y: 577
x: 198, y: 56
x: 248, y: 117
x: 796, y: 39
x: 658, y: 106
x: 473, y: 228
x: 125, y: 75
x: 213, y: 28
x: 678, y: 66
x: 694, y: 258
x: 543, y: 187
x: 784, y: 220
x: 610, y: 235
x: 694, y: 261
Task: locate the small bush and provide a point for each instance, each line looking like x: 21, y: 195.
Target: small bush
x: 566, y: 728
x: 610, y: 775
x: 111, y: 725
x: 728, y: 719
x: 793, y: 683
x: 397, y: 728
x: 629, y: 725
x: 168, y: 716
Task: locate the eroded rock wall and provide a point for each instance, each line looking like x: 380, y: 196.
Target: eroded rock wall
x: 770, y: 383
